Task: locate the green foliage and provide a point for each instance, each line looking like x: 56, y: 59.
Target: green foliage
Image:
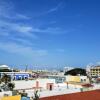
x: 76, y: 71
x: 6, y: 78
x: 11, y: 86
x: 36, y: 95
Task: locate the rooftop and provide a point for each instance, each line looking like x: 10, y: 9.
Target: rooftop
x: 90, y: 95
x: 4, y: 67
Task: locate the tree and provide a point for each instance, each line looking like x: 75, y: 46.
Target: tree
x: 36, y: 95
x: 6, y: 78
x: 7, y: 84
x: 11, y: 86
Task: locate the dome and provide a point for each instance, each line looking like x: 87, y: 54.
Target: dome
x: 4, y: 67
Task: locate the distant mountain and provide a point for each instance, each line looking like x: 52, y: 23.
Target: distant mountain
x: 76, y: 71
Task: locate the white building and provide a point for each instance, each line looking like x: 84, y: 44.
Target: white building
x: 35, y: 84
x: 79, y: 79
x: 4, y: 67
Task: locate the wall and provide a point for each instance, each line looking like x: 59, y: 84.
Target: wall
x: 77, y: 79
x: 84, y: 79
x: 17, y: 75
x: 73, y: 78
x: 91, y: 95
x: 18, y: 97
x: 32, y: 83
x: 5, y: 92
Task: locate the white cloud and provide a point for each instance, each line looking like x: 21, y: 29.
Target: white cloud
x: 22, y: 29
x: 7, y: 10
x: 18, y: 29
x: 55, y: 8
x: 51, y: 10
x: 51, y: 30
x: 22, y: 41
x: 14, y: 31
x: 22, y: 16
x: 55, y: 30
x: 21, y: 33
x: 22, y: 50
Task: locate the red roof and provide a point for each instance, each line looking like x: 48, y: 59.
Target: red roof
x: 87, y: 85
x: 98, y: 79
x: 90, y: 95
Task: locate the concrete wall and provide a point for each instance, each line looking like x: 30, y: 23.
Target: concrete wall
x: 77, y: 79
x: 72, y: 78
x: 17, y: 97
x: 5, y: 92
x: 84, y: 79
x: 32, y: 83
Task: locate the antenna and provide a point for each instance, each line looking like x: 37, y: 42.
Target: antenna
x: 26, y: 68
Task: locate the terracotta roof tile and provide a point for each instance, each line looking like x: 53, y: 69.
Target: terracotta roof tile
x: 90, y: 95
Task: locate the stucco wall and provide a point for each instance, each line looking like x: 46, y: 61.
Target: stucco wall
x: 72, y: 78
x: 18, y: 97
x: 32, y: 83
x: 77, y: 79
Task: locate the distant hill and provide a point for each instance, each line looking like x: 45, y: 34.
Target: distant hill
x: 76, y: 71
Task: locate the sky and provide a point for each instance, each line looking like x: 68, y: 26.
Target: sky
x: 49, y: 33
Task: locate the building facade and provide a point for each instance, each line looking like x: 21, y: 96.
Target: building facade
x: 95, y: 71
x: 45, y: 84
x: 81, y: 79
x: 17, y: 75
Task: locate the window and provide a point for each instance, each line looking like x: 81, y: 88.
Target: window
x: 81, y: 80
x: 84, y: 79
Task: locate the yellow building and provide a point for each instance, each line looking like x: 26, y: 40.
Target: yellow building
x: 95, y: 71
x: 17, y: 97
x: 76, y: 79
x: 73, y: 79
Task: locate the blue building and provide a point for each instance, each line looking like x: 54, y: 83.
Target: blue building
x: 17, y: 75
x: 4, y: 69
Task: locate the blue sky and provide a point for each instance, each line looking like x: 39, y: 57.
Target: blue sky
x: 51, y: 33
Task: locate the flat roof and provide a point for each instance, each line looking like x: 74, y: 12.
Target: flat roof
x: 89, y: 95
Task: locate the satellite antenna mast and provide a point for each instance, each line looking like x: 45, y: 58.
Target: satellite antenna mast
x: 26, y: 68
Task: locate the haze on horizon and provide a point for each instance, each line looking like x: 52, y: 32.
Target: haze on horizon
x: 49, y: 32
